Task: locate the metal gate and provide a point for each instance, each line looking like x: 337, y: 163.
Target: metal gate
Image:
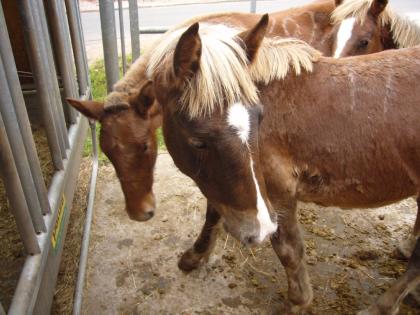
x: 52, y: 65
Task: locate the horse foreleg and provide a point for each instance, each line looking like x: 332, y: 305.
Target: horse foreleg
x: 406, y: 247
x: 288, y: 244
x: 389, y: 302
x: 205, y: 242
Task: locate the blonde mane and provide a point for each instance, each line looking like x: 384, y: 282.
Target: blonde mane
x: 405, y: 32
x: 224, y: 75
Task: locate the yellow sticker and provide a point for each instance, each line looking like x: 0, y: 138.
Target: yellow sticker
x: 56, y: 233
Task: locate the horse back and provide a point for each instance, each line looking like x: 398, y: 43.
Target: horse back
x: 349, y: 131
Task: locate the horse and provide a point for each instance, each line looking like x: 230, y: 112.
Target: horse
x: 128, y: 124
x: 261, y: 123
x: 368, y: 26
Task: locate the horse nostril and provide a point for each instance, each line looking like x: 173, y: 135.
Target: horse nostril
x: 150, y: 214
x: 250, y: 240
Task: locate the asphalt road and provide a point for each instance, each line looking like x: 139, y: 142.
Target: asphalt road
x: 171, y: 15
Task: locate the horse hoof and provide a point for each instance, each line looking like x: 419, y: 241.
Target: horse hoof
x: 189, y: 261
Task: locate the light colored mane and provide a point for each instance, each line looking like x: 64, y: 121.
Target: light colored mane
x: 405, y: 32
x: 224, y: 75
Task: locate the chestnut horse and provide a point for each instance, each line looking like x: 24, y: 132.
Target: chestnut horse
x: 128, y: 123
x: 128, y: 133
x: 247, y: 119
x: 368, y: 26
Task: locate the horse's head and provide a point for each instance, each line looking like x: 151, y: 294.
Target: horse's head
x: 211, y: 118
x: 128, y: 139
x: 359, y: 29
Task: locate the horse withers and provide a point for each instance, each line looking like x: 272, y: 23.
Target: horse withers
x: 253, y: 134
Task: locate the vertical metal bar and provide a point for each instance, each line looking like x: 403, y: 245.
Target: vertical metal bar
x: 59, y: 36
x: 69, y: 58
x: 15, y: 194
x: 76, y: 38
x: 40, y: 15
x: 134, y: 29
x: 253, y: 7
x: 6, y: 54
x: 109, y: 40
x: 41, y: 80
x: 78, y: 294
x: 79, y: 23
x: 122, y: 36
x: 19, y: 153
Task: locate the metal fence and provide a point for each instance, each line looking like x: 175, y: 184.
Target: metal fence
x: 58, y: 68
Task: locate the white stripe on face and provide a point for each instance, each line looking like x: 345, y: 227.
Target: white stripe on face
x: 238, y: 118
x: 267, y: 227
x: 343, y: 35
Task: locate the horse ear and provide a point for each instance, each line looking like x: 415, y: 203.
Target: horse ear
x: 91, y: 109
x: 253, y: 38
x: 377, y: 7
x: 144, y: 99
x: 187, y: 53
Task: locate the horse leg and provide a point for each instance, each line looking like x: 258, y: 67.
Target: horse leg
x: 288, y: 244
x: 205, y: 242
x: 406, y: 247
x: 389, y: 302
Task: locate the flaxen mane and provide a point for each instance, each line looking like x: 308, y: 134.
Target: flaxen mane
x: 406, y: 33
x: 224, y: 75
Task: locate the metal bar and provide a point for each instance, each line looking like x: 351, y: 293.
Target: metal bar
x: 253, y: 7
x: 79, y: 23
x: 47, y: 64
x: 22, y: 116
x: 69, y: 58
x: 78, y: 296
x: 15, y: 194
x: 39, y: 13
x: 60, y: 44
x: 77, y: 42
x: 122, y: 36
x: 153, y: 30
x: 18, y: 149
x: 109, y: 40
x: 133, y: 11
x: 27, y: 290
x: 36, y: 54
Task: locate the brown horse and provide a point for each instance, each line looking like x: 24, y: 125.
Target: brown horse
x: 128, y: 123
x: 356, y: 148
x: 368, y: 26
x: 127, y: 128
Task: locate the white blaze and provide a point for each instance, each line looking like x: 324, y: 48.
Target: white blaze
x: 267, y: 227
x: 238, y: 118
x: 343, y: 35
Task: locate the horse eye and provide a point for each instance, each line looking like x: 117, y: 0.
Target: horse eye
x: 363, y: 43
x: 196, y: 143
x: 145, y: 147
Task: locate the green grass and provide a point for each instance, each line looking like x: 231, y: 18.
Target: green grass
x: 99, y: 92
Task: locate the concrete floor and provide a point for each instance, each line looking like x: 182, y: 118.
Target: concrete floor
x: 133, y: 266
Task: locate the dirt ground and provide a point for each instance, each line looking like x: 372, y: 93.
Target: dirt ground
x: 133, y: 266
